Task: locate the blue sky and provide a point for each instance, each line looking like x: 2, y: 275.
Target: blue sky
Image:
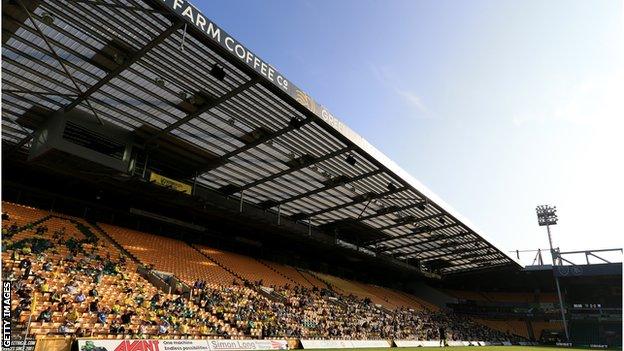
x: 496, y: 106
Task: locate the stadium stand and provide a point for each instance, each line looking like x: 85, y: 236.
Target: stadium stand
x: 85, y: 284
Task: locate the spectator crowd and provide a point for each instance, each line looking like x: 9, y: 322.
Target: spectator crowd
x: 84, y: 286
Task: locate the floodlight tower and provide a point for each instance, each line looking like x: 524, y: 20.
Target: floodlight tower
x: 547, y: 216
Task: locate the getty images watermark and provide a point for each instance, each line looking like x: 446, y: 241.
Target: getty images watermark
x: 6, y: 314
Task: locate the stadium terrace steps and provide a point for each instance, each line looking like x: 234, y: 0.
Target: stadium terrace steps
x: 312, y: 279
x: 114, y: 243
x: 393, y: 298
x: 246, y: 268
x: 170, y: 256
x: 226, y: 268
x: 296, y: 275
x: 328, y: 284
x: 279, y: 271
x: 356, y: 289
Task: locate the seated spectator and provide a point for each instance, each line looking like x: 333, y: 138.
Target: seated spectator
x: 17, y: 312
x: 80, y: 298
x: 93, y: 306
x: 24, y: 263
x: 163, y: 327
x: 93, y: 292
x: 73, y: 315
x: 203, y: 330
x: 97, y: 278
x: 116, y: 328
x: 38, y: 280
x: 45, y: 315
x: 116, y: 307
x: 44, y: 287
x: 23, y: 292
x: 71, y: 287
x: 64, y: 329
x: 47, y: 266
x: 126, y: 317
x: 64, y: 304
x: 101, y: 317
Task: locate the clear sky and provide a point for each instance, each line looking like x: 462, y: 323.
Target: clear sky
x: 497, y: 106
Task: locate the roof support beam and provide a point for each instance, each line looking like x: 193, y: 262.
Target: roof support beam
x: 400, y: 224
x: 398, y: 209
x: 402, y: 236
x: 458, y: 270
x: 292, y: 169
x: 405, y: 254
x: 378, y: 241
x: 425, y: 259
x: 355, y: 202
x: 204, y: 108
x: 408, y: 207
x: 328, y: 187
x: 422, y: 242
x: 221, y: 160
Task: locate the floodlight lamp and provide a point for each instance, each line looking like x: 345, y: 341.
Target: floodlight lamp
x: 546, y: 215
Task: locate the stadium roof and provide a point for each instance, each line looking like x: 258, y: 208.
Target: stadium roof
x: 164, y: 66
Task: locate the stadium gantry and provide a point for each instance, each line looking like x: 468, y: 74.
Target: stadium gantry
x: 165, y: 73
